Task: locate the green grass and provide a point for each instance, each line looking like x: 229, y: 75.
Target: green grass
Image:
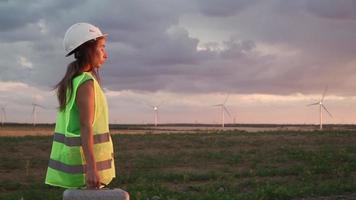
x: 220, y: 165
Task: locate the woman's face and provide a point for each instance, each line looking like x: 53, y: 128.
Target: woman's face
x: 100, y: 52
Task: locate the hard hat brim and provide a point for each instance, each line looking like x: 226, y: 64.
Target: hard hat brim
x: 70, y: 53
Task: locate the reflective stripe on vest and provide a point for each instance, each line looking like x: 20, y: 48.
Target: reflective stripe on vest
x: 78, y: 169
x: 77, y: 141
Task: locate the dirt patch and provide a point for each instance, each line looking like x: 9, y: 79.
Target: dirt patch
x: 31, y: 131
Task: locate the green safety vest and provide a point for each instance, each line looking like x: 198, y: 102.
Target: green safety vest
x: 67, y: 164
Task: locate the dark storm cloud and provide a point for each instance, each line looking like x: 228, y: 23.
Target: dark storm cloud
x: 16, y: 13
x: 324, y: 47
x: 341, y: 9
x: 223, y: 8
x: 324, y: 33
x: 210, y: 71
x: 149, y: 50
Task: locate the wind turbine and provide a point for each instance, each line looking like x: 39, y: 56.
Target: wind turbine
x: 155, y: 111
x: 321, y: 107
x: 3, y: 115
x: 223, y: 110
x: 34, y: 111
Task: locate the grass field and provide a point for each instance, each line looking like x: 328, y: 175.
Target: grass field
x: 217, y: 165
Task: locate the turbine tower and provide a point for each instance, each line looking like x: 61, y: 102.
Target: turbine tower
x: 155, y: 114
x: 34, y: 110
x: 321, y: 107
x: 223, y: 110
x: 3, y: 115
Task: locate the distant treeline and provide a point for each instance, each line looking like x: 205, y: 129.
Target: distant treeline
x: 195, y: 125
x: 151, y: 126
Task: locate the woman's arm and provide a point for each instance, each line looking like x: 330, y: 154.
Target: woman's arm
x: 86, y: 102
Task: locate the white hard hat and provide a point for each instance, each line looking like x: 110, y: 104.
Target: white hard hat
x: 78, y: 34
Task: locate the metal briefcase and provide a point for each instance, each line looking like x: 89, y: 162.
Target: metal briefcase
x: 97, y: 194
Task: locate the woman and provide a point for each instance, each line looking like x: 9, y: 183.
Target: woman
x: 82, y: 149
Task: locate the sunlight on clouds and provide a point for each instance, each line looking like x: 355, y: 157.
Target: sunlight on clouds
x: 13, y: 86
x: 42, y: 26
x: 37, y: 98
x: 18, y: 88
x: 210, y: 46
x: 24, y: 62
x: 111, y: 93
x: 278, y: 50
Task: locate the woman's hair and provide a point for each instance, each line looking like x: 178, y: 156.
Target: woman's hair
x: 85, y: 56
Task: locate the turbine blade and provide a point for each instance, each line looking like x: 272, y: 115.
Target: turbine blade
x: 227, y: 111
x: 226, y: 99
x: 327, y: 111
x: 317, y: 103
x: 217, y: 105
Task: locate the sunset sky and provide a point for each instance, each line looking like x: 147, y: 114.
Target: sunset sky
x: 273, y: 57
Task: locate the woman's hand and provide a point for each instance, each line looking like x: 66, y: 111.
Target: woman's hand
x: 92, y: 178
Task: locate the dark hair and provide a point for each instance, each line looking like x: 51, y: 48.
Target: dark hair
x: 85, y: 56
